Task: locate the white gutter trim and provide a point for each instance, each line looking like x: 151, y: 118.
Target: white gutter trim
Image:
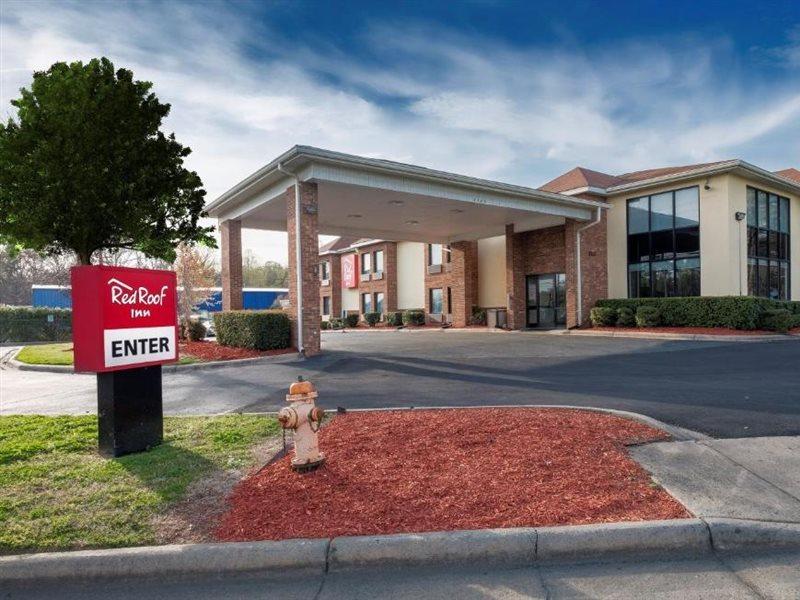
x: 394, y: 168
x: 585, y: 190
x: 298, y: 262
x: 579, y: 279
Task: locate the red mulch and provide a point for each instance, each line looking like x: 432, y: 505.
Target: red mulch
x: 213, y: 351
x: 689, y: 330
x: 428, y: 470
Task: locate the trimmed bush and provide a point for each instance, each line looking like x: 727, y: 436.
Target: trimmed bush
x: 777, y: 319
x: 603, y: 316
x: 336, y: 323
x: 26, y: 324
x: 414, y: 317
x: 478, y: 316
x: 351, y: 320
x: 192, y: 330
x: 737, y: 312
x: 325, y: 325
x: 372, y: 318
x: 394, y: 319
x: 626, y: 317
x: 254, y: 329
x: 795, y: 321
x: 648, y: 316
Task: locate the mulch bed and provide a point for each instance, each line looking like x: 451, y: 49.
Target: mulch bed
x: 207, y: 351
x: 688, y: 330
x: 429, y: 470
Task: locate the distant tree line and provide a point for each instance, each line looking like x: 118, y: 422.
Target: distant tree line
x: 258, y: 273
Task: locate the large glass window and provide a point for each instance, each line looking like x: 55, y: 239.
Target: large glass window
x: 366, y: 262
x: 378, y: 261
x: 767, y: 245
x: 436, y: 300
x: 438, y: 254
x: 366, y: 303
x: 325, y: 271
x: 664, y: 244
x: 379, y: 302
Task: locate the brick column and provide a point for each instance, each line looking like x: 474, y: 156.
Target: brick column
x: 594, y: 264
x: 463, y: 281
x: 336, y: 284
x: 390, y: 275
x: 309, y: 241
x: 231, y: 239
x: 515, y: 279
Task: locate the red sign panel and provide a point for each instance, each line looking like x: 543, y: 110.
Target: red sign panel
x: 123, y: 318
x: 350, y: 270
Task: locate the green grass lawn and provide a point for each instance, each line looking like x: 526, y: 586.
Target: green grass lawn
x: 61, y: 354
x: 56, y: 493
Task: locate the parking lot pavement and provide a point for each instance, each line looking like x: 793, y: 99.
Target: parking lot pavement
x: 724, y: 389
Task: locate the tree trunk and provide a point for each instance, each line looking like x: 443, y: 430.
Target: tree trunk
x: 85, y: 257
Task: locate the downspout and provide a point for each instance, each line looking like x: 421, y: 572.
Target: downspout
x: 298, y: 271
x: 579, y: 279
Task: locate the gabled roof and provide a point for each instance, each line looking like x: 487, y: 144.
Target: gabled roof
x: 791, y: 173
x: 337, y: 244
x: 579, y: 177
x: 580, y: 180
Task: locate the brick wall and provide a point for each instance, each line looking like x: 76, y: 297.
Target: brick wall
x: 387, y: 285
x: 463, y: 281
x: 231, y: 242
x: 594, y: 264
x: 515, y: 278
x: 310, y: 258
x: 334, y: 287
x: 443, y: 280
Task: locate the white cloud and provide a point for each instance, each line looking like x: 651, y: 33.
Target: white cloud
x: 241, y: 96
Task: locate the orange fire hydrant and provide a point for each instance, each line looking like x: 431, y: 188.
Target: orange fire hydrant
x: 304, y: 418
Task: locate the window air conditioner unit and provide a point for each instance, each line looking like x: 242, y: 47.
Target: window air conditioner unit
x: 377, y: 276
x: 434, y: 269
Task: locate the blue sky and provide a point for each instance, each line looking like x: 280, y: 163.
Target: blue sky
x: 515, y: 91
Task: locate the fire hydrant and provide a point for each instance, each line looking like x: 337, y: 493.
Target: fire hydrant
x: 304, y: 418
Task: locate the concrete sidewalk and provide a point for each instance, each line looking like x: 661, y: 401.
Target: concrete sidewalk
x: 751, y: 478
x: 755, y: 575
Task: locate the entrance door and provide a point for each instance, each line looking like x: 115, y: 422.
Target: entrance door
x: 547, y: 300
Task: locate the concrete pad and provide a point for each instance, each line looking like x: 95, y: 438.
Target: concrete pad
x: 711, y: 485
x: 776, y: 459
x: 452, y: 584
x: 774, y: 575
x: 679, y: 580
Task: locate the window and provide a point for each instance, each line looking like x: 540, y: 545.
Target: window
x: 378, y: 256
x: 379, y: 302
x: 435, y: 300
x: 325, y: 271
x: 767, y: 245
x: 449, y: 301
x: 366, y: 262
x: 434, y: 254
x: 664, y: 244
x: 366, y: 303
x: 326, y: 305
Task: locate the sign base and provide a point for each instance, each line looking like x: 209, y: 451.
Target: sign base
x: 129, y: 411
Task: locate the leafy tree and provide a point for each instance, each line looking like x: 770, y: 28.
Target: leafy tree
x: 85, y: 167
x: 196, y: 272
x: 266, y: 274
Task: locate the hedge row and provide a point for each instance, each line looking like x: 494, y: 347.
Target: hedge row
x: 736, y: 312
x: 254, y: 329
x: 26, y: 324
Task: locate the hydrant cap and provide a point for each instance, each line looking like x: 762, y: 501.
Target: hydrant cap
x: 301, y: 387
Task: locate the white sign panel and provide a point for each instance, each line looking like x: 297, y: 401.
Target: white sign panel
x: 138, y: 345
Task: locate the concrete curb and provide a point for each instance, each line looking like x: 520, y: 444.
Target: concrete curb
x: 198, y: 366
x: 514, y: 546
x: 695, y: 337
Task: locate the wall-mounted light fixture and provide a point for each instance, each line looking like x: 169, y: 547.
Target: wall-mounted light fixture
x: 707, y: 186
x: 740, y: 216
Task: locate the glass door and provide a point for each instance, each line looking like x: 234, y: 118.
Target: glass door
x: 546, y: 300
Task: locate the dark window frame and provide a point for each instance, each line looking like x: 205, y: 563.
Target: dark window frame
x: 430, y: 300
x: 326, y: 300
x: 770, y: 257
x: 375, y: 260
x: 652, y: 258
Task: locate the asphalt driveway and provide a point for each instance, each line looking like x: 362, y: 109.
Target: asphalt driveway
x: 725, y: 389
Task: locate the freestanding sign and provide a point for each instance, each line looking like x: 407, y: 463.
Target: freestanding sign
x: 349, y: 270
x: 125, y: 326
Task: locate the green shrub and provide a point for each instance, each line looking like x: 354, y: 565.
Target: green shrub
x: 478, y: 316
x: 394, y: 319
x: 795, y: 321
x: 737, y: 312
x: 776, y: 319
x: 414, y: 317
x: 325, y: 325
x: 351, y: 320
x: 603, y: 316
x: 372, y: 318
x: 192, y: 330
x: 626, y: 317
x: 648, y: 316
x: 26, y: 324
x: 336, y: 323
x: 254, y: 329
